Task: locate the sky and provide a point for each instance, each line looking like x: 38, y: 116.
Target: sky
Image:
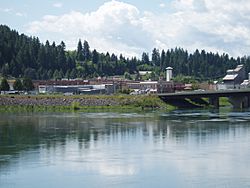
x: 130, y: 27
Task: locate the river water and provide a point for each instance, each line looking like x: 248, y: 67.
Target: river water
x: 198, y: 148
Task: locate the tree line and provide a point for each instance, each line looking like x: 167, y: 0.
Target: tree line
x: 26, y: 57
x: 19, y: 85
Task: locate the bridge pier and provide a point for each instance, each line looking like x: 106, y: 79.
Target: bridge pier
x: 240, y: 102
x: 214, y: 101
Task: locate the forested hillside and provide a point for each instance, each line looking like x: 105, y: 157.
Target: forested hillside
x: 23, y: 56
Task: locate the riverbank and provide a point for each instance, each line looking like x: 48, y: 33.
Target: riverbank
x: 79, y: 102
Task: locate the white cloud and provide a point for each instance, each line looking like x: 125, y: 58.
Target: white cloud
x: 162, y: 5
x: 116, y: 19
x: 57, y: 5
x: 19, y: 14
x: 12, y: 12
x: 7, y: 10
x: 213, y: 25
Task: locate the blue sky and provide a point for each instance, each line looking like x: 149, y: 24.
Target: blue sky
x: 132, y: 27
x: 17, y: 13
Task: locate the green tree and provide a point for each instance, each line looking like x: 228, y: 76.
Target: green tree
x: 41, y: 57
x: 30, y: 73
x: 79, y: 55
x: 155, y: 57
x: 4, y: 85
x: 86, y: 51
x: 57, y: 75
x: 127, y: 76
x: 163, y: 56
x: 95, y: 57
x: 73, y: 74
x: 145, y: 58
x: 137, y: 76
x: 61, y: 58
x: 89, y: 68
x: 67, y: 74
x: 61, y: 75
x: 153, y: 76
x: 5, y: 69
x: 50, y: 73
x: 18, y: 85
x: 28, y: 84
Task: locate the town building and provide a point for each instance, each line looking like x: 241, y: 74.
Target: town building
x: 109, y: 86
x: 233, y: 78
x: 143, y: 87
x: 246, y: 83
x: 165, y: 87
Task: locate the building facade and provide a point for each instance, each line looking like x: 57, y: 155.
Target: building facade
x: 233, y: 79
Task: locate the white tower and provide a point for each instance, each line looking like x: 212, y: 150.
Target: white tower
x: 169, y: 73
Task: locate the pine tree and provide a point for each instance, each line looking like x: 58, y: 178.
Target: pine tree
x: 79, y: 53
x: 28, y: 84
x: 145, y: 58
x: 57, y: 75
x: 18, y: 85
x: 163, y: 56
x: 155, y: 57
x: 86, y: 51
x: 4, y: 85
x: 73, y: 74
x: 95, y: 57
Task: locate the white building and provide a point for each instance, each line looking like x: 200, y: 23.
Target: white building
x: 233, y: 78
x: 169, y: 74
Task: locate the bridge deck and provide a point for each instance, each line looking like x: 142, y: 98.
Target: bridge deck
x: 200, y: 94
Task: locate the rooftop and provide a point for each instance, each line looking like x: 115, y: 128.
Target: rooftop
x: 169, y: 68
x: 144, y: 72
x: 233, y: 73
x: 230, y: 77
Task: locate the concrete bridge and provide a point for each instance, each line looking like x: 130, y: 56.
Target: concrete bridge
x: 238, y: 98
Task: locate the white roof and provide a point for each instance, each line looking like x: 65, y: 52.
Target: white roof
x: 230, y: 77
x: 237, y: 69
x: 144, y: 72
x: 245, y: 83
x: 230, y: 71
x: 149, y: 82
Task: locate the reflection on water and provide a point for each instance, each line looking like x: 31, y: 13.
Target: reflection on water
x: 177, y: 149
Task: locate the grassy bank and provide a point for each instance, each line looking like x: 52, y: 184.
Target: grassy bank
x: 98, y: 103
x: 224, y: 101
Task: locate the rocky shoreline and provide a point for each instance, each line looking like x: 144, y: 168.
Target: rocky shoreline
x: 82, y: 102
x: 55, y: 101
